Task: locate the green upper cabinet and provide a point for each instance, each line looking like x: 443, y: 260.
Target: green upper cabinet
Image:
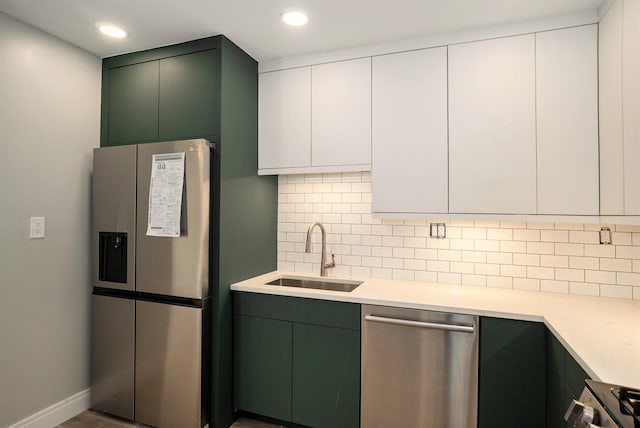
x: 133, y: 103
x: 162, y: 94
x: 188, y: 95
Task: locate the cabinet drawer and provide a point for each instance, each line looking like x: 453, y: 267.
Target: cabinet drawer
x: 307, y: 311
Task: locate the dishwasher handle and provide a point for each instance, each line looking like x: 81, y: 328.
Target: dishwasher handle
x: 422, y: 324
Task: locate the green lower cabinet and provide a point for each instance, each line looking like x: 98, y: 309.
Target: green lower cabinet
x: 512, y: 374
x: 556, y: 397
x: 297, y: 360
x: 565, y: 381
x: 326, y: 377
x: 262, y: 370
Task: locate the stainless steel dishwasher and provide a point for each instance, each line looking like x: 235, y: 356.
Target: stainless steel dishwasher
x: 419, y: 369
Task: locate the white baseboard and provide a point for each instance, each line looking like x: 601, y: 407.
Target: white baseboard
x: 58, y: 413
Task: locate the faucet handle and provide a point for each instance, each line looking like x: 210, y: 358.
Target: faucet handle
x: 333, y: 262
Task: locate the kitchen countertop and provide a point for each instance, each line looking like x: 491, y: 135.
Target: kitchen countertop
x: 602, y: 334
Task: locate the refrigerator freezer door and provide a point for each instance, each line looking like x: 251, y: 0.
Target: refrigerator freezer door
x: 176, y: 266
x: 114, y: 213
x: 112, y: 355
x: 168, y: 365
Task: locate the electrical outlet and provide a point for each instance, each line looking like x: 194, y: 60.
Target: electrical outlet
x: 36, y: 228
x: 605, y: 236
x: 437, y: 230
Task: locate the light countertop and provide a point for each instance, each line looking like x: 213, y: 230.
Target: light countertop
x: 602, y: 334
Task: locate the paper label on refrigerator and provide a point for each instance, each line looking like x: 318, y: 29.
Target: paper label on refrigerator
x: 165, y: 195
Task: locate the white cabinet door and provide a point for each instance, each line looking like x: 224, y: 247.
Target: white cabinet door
x: 341, y: 113
x: 284, y: 119
x: 492, y: 142
x: 610, y: 89
x: 567, y: 120
x: 631, y: 104
x: 409, y: 170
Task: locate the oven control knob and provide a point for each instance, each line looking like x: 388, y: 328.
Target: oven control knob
x: 579, y: 415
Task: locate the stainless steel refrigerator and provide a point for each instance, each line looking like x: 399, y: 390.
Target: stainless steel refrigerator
x: 151, y: 311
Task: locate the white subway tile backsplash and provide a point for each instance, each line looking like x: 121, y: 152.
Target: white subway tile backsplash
x: 526, y: 284
x: 499, y: 282
x: 593, y: 250
x: 513, y: 246
x: 475, y: 256
x: 540, y: 248
x: 558, y: 258
x: 570, y: 274
x: 426, y: 276
x: 487, y: 245
x: 569, y: 249
x: 586, y: 289
x: 616, y: 291
x: 514, y: 271
x: 621, y: 238
x: 437, y: 266
x: 382, y: 251
x: 554, y: 261
x: 461, y: 267
x: 554, y: 236
x: 616, y: 265
x: 487, y: 269
x: 554, y: 286
x: 403, y: 275
x: 541, y: 226
x: 530, y: 235
x: 404, y: 253
x: 415, y: 264
x: 526, y: 259
x: 500, y: 234
x: 624, y: 278
x: 461, y: 244
x: 578, y: 237
x: 500, y: 258
x: 475, y: 280
x: 584, y: 263
x: 625, y: 252
x: 474, y: 233
x: 600, y: 276
x: 449, y: 278
x: 451, y: 255
x: 392, y: 241
x: 540, y: 272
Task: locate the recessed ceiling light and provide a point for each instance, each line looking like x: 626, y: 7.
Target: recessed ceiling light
x: 113, y: 31
x: 295, y: 18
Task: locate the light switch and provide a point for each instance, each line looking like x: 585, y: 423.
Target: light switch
x: 36, y: 229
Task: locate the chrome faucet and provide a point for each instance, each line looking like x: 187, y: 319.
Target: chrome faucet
x: 323, y: 264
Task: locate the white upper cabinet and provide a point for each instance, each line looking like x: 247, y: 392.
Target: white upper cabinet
x: 631, y: 104
x: 567, y: 121
x: 610, y: 89
x: 409, y: 134
x: 492, y: 127
x: 315, y: 118
x: 284, y: 119
x: 341, y: 113
x: 619, y: 65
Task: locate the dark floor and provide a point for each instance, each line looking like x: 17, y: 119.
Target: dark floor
x: 93, y: 419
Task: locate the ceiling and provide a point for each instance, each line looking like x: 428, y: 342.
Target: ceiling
x: 255, y: 24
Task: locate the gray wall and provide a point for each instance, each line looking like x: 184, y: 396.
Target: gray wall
x: 49, y: 124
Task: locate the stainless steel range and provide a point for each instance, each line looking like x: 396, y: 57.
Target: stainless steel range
x: 606, y: 406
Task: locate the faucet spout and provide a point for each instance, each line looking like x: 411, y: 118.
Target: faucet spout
x: 323, y: 264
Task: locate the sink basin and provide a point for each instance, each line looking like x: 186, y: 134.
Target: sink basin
x: 318, y: 284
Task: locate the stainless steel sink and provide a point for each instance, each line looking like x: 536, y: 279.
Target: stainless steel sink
x: 323, y: 284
